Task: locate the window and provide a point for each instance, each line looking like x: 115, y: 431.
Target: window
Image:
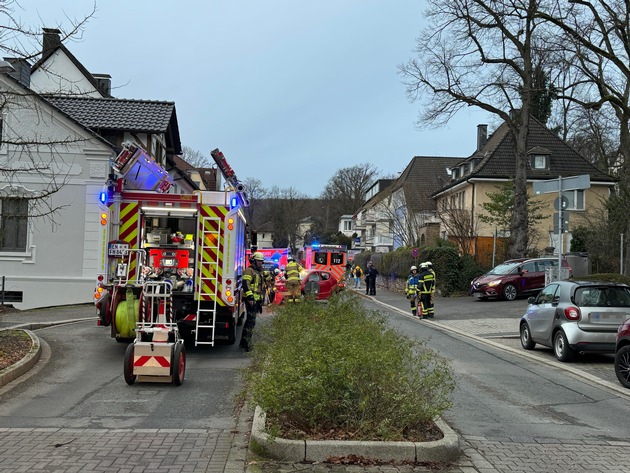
x: 13, y: 224
x: 575, y: 198
x: 347, y: 225
x: 539, y: 161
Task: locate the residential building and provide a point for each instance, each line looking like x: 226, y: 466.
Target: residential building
x: 494, y: 163
x: 52, y: 260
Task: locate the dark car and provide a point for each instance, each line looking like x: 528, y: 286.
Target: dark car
x: 622, y: 354
x: 316, y: 284
x: 514, y: 278
x: 575, y: 317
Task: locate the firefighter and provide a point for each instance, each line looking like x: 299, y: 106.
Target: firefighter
x: 271, y: 286
x: 292, y: 275
x: 425, y: 286
x: 434, y: 284
x: 253, y: 291
x: 411, y: 291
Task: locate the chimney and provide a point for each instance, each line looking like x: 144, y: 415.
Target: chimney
x: 22, y: 72
x: 104, y: 84
x: 51, y: 39
x: 482, y: 136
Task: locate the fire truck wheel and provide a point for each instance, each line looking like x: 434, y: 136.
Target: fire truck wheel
x: 104, y: 310
x: 130, y: 378
x: 179, y: 363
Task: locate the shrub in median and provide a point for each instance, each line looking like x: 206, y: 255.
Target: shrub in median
x: 337, y: 367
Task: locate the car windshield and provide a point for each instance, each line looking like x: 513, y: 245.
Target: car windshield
x: 504, y: 268
x: 602, y: 296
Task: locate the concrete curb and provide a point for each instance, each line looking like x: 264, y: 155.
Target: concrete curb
x: 25, y: 364
x: 444, y: 450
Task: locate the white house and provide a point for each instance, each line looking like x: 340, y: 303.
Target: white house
x: 53, y: 261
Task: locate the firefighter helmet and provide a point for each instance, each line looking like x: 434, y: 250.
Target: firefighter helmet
x: 424, y: 265
x: 429, y: 264
x: 258, y: 256
x: 413, y: 268
x: 290, y: 258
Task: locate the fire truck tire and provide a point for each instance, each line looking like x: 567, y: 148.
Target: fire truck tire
x: 130, y: 378
x: 103, y: 311
x: 179, y: 363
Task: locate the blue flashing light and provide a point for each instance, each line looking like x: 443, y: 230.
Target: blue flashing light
x: 233, y: 202
x: 315, y: 245
x: 103, y: 197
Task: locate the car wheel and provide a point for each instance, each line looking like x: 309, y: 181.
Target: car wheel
x: 561, y: 347
x: 130, y: 378
x: 622, y: 366
x: 526, y: 337
x: 509, y: 292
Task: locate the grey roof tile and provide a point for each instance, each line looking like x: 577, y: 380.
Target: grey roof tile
x: 147, y: 116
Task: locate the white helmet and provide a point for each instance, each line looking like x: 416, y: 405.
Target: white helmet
x: 413, y: 268
x: 424, y: 265
x: 429, y: 264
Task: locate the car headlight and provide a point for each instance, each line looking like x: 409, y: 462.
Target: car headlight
x: 494, y: 283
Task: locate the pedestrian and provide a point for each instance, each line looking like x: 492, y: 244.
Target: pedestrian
x: 370, y: 279
x: 425, y: 285
x: 411, y: 291
x: 348, y: 270
x: 253, y: 285
x: 358, y: 272
x: 292, y: 275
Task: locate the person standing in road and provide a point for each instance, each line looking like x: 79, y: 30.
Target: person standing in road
x: 292, y: 275
x: 253, y: 285
x: 425, y: 285
x: 358, y: 272
x: 370, y: 279
x: 411, y: 291
x: 430, y: 268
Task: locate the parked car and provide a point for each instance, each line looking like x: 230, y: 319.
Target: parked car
x: 622, y: 354
x: 575, y: 317
x: 319, y: 285
x: 514, y: 278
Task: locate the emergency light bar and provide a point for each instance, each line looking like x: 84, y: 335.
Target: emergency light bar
x: 168, y: 210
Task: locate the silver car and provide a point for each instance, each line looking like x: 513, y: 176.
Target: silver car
x: 575, y: 317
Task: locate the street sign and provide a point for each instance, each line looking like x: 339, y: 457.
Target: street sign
x: 568, y: 184
x: 565, y: 222
x: 565, y: 203
x: 415, y: 252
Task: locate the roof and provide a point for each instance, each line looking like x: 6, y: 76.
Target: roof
x: 421, y: 178
x: 496, y: 159
x: 145, y: 116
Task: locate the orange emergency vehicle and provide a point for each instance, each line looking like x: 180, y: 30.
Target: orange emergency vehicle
x: 331, y: 258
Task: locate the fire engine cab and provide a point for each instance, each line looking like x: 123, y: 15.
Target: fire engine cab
x: 180, y: 256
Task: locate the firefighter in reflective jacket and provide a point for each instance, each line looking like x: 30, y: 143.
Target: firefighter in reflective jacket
x: 292, y: 275
x: 253, y: 292
x: 426, y: 281
x: 411, y: 291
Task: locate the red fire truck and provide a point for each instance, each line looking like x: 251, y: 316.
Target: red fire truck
x: 191, y: 247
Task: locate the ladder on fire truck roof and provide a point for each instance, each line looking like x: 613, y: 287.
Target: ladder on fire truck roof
x: 207, y: 277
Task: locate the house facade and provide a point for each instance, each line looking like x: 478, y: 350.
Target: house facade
x: 493, y: 164
x: 81, y: 127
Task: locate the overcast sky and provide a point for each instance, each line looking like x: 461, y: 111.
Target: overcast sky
x: 289, y: 90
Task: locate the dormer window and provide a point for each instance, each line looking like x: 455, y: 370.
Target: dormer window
x: 539, y: 161
x: 539, y: 158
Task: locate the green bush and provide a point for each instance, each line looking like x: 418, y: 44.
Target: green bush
x: 318, y: 367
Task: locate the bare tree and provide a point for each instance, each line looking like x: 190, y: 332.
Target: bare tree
x: 195, y: 157
x: 459, y: 223
x: 482, y: 53
x: 286, y: 208
x: 345, y: 193
x: 33, y: 168
x: 595, y: 40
